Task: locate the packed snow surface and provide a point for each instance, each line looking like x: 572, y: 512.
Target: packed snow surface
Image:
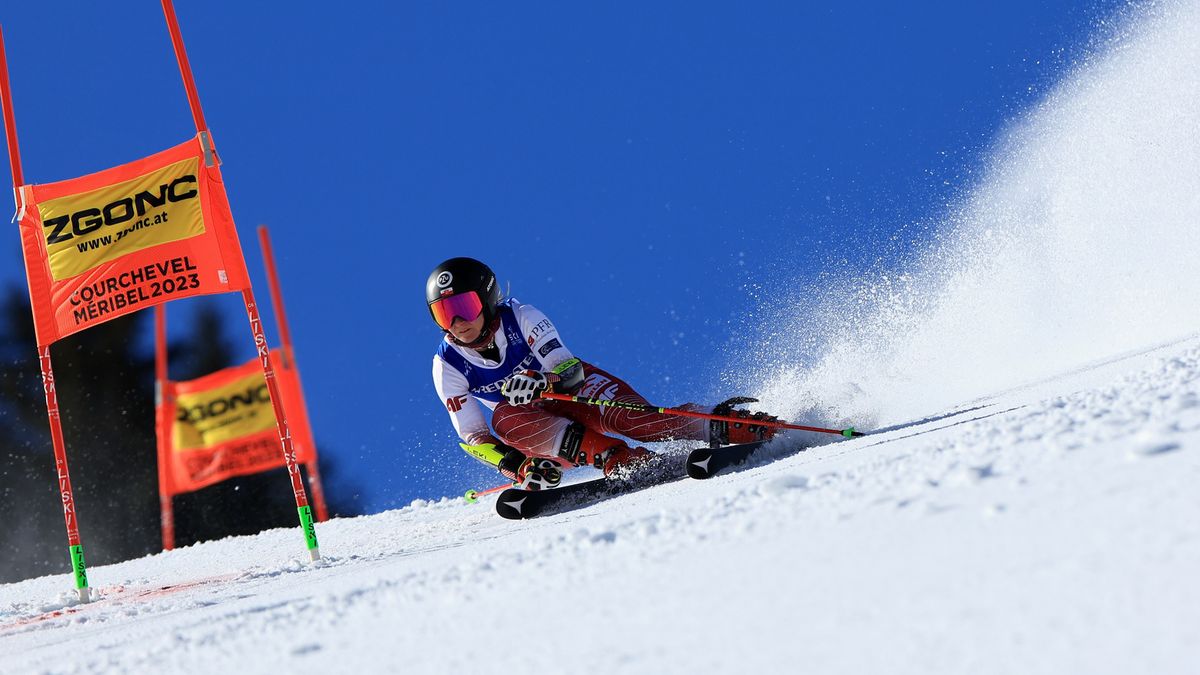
x: 1025, y: 500
x: 1051, y: 528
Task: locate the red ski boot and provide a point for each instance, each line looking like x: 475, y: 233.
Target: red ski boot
x: 624, y: 460
x: 584, y: 447
x: 736, y: 433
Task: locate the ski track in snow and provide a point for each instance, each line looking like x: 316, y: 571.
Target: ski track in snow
x: 1053, y: 528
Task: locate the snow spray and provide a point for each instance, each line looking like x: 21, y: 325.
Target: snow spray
x: 1079, y: 244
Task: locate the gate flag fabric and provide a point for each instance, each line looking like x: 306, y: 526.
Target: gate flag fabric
x: 127, y: 238
x: 223, y: 425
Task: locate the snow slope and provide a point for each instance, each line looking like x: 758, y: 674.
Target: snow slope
x: 1026, y: 502
x: 1080, y: 242
x: 1051, y: 528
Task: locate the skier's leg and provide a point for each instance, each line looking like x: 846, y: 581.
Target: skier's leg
x: 576, y: 433
x: 531, y: 428
x: 537, y: 431
x: 654, y: 426
x: 640, y: 426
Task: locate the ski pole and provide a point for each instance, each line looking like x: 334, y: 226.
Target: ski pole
x: 848, y: 432
x: 473, y: 496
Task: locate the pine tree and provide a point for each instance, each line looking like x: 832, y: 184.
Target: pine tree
x: 105, y: 394
x: 105, y: 385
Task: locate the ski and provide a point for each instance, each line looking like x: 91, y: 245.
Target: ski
x: 707, y: 462
x: 517, y: 504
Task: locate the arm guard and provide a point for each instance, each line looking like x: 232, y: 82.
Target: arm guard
x: 570, y: 376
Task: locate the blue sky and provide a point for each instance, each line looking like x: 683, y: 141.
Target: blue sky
x: 638, y: 171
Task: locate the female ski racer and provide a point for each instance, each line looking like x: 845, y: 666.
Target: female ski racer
x: 503, y: 354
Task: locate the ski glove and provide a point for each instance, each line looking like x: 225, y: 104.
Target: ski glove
x: 538, y: 473
x: 523, y: 387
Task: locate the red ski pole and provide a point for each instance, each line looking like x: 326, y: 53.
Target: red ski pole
x: 848, y: 432
x: 473, y: 496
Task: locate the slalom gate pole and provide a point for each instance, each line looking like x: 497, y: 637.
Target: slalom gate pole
x: 74, y: 543
x: 162, y: 427
x: 285, y: 435
x: 289, y: 361
x: 185, y: 68
x: 260, y: 338
x: 10, y: 125
x: 848, y: 432
x: 473, y: 496
x: 78, y: 566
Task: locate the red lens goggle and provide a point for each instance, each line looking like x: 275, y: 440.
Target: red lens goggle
x: 465, y: 306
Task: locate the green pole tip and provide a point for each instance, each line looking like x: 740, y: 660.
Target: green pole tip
x: 78, y: 566
x: 306, y: 524
x: 471, y: 496
x: 848, y: 432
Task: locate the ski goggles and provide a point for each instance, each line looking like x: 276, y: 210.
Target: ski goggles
x: 465, y: 306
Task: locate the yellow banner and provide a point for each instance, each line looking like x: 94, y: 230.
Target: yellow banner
x: 91, y: 228
x: 223, y: 425
x: 239, y: 408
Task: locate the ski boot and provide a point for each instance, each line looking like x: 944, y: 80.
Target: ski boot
x: 624, y: 461
x: 584, y: 447
x: 721, y: 432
